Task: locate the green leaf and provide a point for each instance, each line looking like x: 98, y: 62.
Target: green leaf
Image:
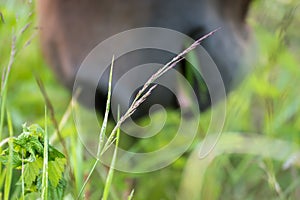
x: 32, y: 170
x: 57, y: 192
x: 31, y: 140
x: 16, y: 159
x: 29, y: 148
x: 54, y: 153
x: 55, y: 170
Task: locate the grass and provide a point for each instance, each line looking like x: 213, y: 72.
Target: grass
x: 266, y: 105
x: 45, y: 177
x: 9, y: 171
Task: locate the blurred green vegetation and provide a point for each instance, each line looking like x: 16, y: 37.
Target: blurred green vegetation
x: 266, y: 104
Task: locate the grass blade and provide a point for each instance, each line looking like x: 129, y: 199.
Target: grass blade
x: 140, y: 98
x: 103, y: 129
x: 87, y: 179
x: 112, y: 166
x: 104, y: 124
x: 45, y: 165
x: 65, y: 118
x: 3, y: 105
x: 9, y: 168
x: 52, y: 115
x: 3, y: 90
x: 22, y: 177
x: 130, y: 197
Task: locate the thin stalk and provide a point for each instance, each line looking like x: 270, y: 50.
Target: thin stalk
x: 65, y: 117
x: 45, y: 164
x: 128, y: 113
x: 3, y: 93
x: 110, y: 175
x: 9, y: 167
x: 104, y: 124
x: 103, y: 129
x: 139, y: 99
x: 130, y: 197
x: 52, y: 115
x: 22, y: 177
x: 4, y: 84
x: 87, y: 179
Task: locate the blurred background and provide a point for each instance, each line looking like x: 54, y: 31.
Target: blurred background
x: 265, y: 105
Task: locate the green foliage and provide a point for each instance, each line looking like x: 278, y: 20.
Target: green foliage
x: 28, y: 151
x: 31, y: 172
x: 56, y: 169
x: 266, y: 103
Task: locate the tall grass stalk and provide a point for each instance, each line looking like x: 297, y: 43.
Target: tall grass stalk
x: 2, y: 114
x: 9, y: 168
x: 3, y: 96
x: 45, y: 163
x: 103, y: 129
x: 22, y: 177
x: 75, y: 146
x: 112, y: 166
x: 65, y: 118
x: 138, y: 100
x: 146, y: 91
x: 130, y: 197
x: 104, y: 124
x: 52, y: 115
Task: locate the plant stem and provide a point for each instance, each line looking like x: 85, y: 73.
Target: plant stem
x: 45, y: 165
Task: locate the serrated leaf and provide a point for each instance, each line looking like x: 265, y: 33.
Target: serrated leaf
x: 54, y: 153
x: 32, y: 170
x: 29, y: 147
x: 58, y: 191
x: 55, y: 170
